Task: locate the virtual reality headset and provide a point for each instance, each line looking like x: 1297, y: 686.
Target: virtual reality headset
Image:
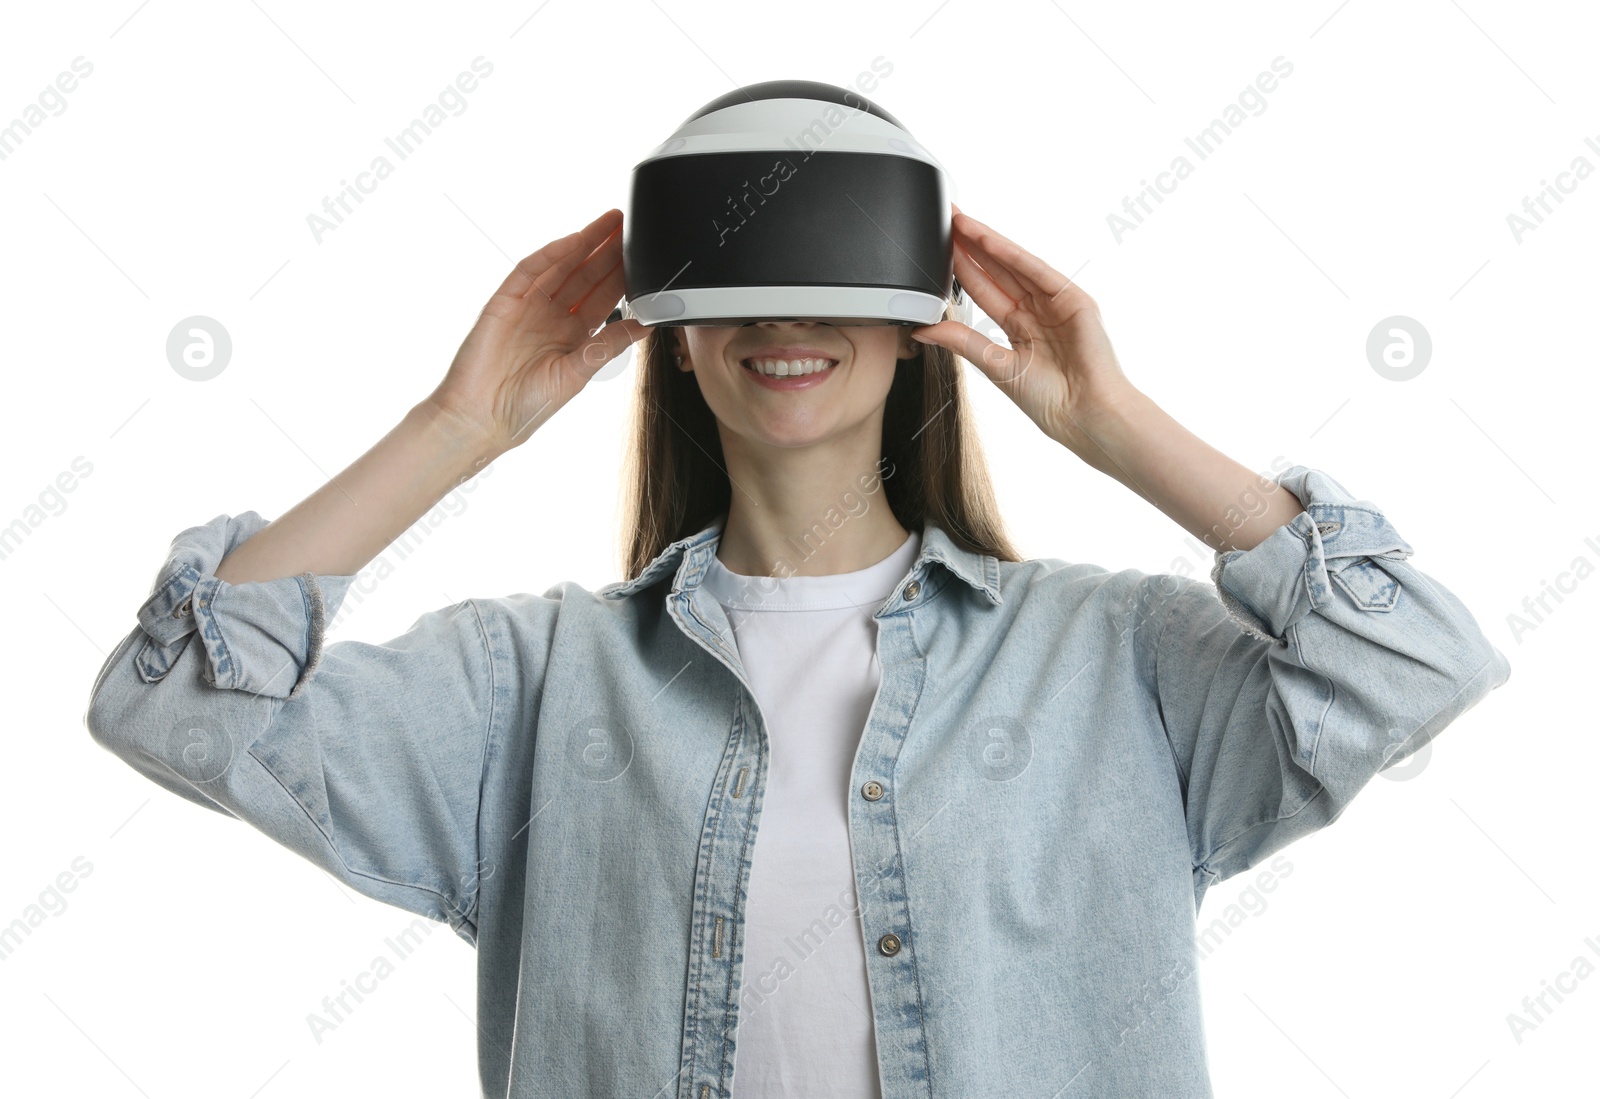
x: 789, y: 200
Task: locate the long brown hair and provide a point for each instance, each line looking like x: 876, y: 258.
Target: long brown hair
x: 676, y: 480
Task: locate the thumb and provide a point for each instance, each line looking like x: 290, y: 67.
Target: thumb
x: 610, y: 341
x: 1001, y: 364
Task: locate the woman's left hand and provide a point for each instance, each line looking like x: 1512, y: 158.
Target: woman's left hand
x: 1060, y: 368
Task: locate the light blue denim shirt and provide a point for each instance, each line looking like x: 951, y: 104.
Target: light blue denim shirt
x: 1059, y: 761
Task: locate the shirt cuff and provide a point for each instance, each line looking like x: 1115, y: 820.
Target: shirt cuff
x: 1333, y: 541
x: 264, y: 637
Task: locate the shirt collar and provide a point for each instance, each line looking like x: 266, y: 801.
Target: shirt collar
x: 688, y: 558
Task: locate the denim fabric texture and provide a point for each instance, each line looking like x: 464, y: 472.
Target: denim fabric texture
x: 1059, y: 762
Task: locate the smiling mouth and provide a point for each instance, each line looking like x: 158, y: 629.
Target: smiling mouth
x: 779, y: 368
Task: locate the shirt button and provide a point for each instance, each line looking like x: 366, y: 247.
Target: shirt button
x: 889, y: 944
x: 181, y: 610
x: 872, y: 791
x: 912, y: 589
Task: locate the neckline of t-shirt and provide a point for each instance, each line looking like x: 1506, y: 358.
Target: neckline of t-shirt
x: 834, y: 591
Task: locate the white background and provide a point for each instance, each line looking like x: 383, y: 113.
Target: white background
x: 1377, y: 182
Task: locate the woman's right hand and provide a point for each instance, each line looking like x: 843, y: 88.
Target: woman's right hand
x: 531, y: 350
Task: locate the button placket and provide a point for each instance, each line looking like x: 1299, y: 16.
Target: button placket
x: 875, y: 842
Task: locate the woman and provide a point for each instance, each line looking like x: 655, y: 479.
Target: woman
x: 990, y: 792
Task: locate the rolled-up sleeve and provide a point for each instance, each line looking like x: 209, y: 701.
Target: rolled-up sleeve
x: 264, y: 637
x: 1313, y: 661
x: 367, y: 759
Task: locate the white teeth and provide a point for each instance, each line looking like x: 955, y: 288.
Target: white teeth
x: 782, y: 368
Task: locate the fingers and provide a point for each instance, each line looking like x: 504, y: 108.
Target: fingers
x: 1044, y: 281
x: 993, y: 268
x: 993, y: 287
x: 598, y: 233
x: 985, y: 245
x: 594, y: 268
x: 610, y: 340
x: 597, y: 305
x: 564, y: 253
x: 976, y: 281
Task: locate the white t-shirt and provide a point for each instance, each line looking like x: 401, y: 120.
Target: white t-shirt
x: 809, y: 646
